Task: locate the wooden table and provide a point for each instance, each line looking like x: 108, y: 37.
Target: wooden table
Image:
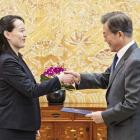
x: 56, y: 125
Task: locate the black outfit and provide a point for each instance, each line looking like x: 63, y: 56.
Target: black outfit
x: 11, y: 134
x: 19, y: 92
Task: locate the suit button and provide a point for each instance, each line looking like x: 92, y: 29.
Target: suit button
x: 107, y: 103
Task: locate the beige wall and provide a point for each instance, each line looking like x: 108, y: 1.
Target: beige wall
x: 70, y: 32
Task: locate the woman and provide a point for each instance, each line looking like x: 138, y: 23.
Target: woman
x: 19, y: 92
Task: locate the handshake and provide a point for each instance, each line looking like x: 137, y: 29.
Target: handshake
x: 68, y: 78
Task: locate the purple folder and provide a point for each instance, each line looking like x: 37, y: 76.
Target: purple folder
x: 78, y: 111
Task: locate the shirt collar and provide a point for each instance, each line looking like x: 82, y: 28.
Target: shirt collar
x: 122, y: 51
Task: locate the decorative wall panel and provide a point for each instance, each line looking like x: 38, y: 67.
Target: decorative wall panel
x: 69, y: 32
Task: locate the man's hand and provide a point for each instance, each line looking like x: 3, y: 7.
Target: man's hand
x: 96, y: 116
x: 66, y: 78
x: 37, y: 134
x: 77, y: 77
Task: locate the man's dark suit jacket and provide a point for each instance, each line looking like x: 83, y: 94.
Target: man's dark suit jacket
x: 19, y: 92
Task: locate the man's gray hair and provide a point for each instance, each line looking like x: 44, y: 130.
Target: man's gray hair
x: 118, y: 21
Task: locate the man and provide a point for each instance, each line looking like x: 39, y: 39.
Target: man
x: 122, y: 80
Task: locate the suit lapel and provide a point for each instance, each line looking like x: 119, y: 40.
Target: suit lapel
x: 116, y: 70
x: 27, y: 70
x: 22, y: 63
x: 121, y: 63
x: 111, y: 72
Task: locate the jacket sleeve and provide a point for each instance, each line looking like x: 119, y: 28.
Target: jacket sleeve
x: 123, y: 110
x: 17, y: 78
x: 95, y: 80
